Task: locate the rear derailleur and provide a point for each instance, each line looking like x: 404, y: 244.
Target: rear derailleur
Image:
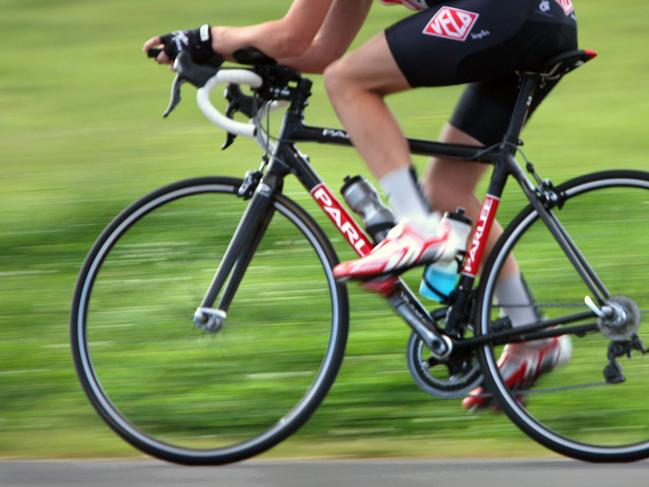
x: 613, y: 370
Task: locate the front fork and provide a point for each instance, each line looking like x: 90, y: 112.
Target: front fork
x: 238, y: 255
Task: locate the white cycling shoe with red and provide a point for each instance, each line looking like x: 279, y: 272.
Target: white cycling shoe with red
x: 407, y: 245
x: 521, y: 364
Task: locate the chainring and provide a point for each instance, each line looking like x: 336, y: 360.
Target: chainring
x: 452, y: 379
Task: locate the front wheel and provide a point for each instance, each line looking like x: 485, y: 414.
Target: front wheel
x: 573, y: 410
x: 179, y: 393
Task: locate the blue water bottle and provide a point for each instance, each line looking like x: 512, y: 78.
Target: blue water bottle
x: 439, y: 281
x: 440, y: 278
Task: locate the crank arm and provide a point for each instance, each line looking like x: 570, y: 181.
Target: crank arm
x: 407, y: 306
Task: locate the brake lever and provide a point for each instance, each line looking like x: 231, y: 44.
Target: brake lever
x: 230, y: 138
x: 174, y: 99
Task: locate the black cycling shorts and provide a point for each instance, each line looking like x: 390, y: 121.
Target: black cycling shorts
x: 484, y: 43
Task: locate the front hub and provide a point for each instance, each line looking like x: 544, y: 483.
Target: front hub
x: 209, y: 319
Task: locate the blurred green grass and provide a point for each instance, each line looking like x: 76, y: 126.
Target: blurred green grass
x: 81, y: 137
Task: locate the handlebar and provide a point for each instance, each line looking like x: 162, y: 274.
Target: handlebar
x: 235, y: 76
x: 207, y: 77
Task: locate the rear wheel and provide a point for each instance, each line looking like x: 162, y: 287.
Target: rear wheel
x: 574, y: 410
x: 182, y: 394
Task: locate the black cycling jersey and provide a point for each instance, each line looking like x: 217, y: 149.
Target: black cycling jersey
x: 483, y: 42
x: 411, y: 4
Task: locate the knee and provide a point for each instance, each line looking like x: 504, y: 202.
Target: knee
x: 337, y: 78
x: 446, y: 186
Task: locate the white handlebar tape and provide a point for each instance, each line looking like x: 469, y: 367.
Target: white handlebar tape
x: 235, y: 76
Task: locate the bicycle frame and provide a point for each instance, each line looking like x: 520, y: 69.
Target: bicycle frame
x: 286, y: 158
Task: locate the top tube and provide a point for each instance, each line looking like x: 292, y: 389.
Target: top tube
x: 460, y: 152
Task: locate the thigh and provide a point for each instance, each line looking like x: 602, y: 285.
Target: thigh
x: 485, y: 108
x: 464, y: 41
x: 373, y: 67
x: 432, y: 47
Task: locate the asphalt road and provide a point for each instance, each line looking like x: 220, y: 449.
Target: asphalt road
x: 329, y: 473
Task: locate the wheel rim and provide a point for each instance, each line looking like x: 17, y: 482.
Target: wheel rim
x: 161, y: 437
x: 579, y: 429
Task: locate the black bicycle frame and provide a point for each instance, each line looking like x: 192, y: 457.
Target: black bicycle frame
x: 287, y: 159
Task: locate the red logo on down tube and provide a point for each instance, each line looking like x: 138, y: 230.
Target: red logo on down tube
x: 451, y: 23
x: 479, y: 240
x: 345, y: 223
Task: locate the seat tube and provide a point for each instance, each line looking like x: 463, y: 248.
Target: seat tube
x: 521, y: 111
x: 478, y: 244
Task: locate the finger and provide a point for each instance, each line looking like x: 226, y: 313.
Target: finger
x: 154, y: 41
x: 163, y: 58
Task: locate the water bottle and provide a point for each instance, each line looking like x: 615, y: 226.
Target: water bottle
x: 361, y: 197
x: 440, y: 278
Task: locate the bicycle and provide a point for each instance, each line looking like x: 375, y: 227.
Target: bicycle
x: 272, y: 326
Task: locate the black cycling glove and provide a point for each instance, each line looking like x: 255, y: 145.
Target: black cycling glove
x: 197, y: 42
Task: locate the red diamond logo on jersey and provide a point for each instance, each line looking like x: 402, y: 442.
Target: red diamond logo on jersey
x: 566, y: 5
x: 451, y: 23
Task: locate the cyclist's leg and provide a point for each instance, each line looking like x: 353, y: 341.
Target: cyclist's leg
x: 390, y: 63
x: 405, y: 57
x: 449, y: 185
x: 496, y: 39
x: 410, y: 54
x: 481, y: 118
x: 357, y: 85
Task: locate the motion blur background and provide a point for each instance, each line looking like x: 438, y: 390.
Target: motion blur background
x: 81, y: 137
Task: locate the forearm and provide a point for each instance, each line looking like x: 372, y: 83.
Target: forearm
x: 314, y: 60
x: 339, y: 29
x: 270, y: 37
x: 288, y: 37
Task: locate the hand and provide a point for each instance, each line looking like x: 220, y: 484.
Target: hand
x: 197, y: 42
x: 156, y: 43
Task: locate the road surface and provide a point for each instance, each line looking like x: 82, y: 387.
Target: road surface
x: 324, y: 473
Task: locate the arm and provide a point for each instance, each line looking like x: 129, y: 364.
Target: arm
x: 289, y: 36
x: 340, y: 27
x: 286, y: 37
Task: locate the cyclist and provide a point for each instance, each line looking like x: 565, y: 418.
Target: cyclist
x: 479, y: 42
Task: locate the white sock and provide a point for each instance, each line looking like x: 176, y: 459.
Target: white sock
x: 513, y: 298
x: 405, y: 196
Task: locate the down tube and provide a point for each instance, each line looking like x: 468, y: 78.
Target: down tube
x: 343, y: 221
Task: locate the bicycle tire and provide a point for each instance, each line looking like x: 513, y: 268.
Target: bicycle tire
x: 535, y: 421
x: 333, y: 343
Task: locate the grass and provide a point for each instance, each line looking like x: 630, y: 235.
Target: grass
x: 82, y: 137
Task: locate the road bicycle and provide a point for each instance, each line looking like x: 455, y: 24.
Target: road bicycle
x: 270, y: 325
